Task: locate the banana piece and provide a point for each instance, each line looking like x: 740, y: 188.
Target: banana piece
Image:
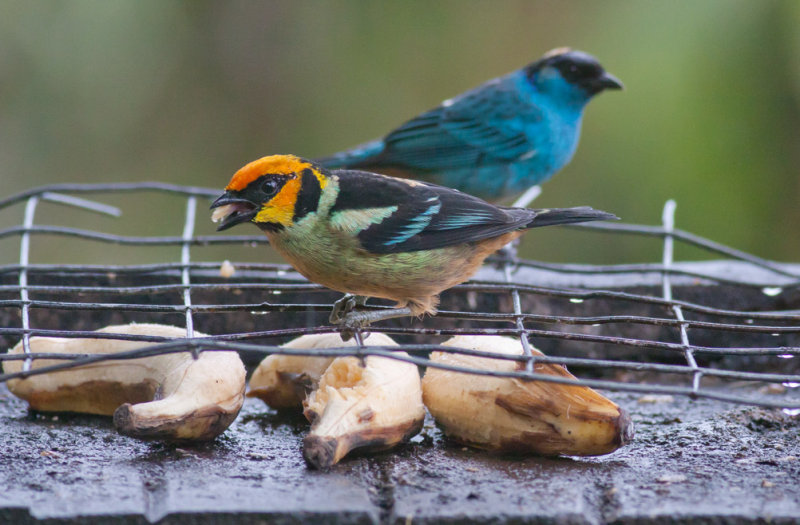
x: 366, y: 408
x: 351, y: 406
x: 510, y: 415
x: 171, y: 396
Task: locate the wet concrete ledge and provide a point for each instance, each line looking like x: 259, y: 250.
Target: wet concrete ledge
x: 691, y: 461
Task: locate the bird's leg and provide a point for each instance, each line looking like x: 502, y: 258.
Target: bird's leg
x: 353, y: 321
x: 528, y: 197
x: 345, y: 305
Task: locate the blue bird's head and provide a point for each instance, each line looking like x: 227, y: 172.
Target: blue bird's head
x: 571, y: 76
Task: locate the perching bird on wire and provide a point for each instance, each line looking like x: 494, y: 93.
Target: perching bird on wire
x: 372, y: 235
x: 497, y: 140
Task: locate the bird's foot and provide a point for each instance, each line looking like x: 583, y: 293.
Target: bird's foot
x: 344, y: 306
x: 354, y: 322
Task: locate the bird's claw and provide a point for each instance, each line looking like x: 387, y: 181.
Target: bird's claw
x: 344, y: 306
x: 341, y: 308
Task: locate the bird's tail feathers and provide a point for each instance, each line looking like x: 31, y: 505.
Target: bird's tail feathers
x: 553, y: 216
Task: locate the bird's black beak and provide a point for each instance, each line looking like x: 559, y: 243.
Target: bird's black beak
x: 230, y: 210
x: 605, y: 81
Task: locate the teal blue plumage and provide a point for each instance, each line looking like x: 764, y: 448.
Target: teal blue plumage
x: 497, y: 140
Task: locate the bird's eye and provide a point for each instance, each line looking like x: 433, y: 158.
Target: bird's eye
x: 269, y: 187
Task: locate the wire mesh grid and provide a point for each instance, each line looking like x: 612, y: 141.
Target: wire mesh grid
x: 655, y: 352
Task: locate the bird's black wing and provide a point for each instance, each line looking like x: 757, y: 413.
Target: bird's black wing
x: 390, y: 215
x: 480, y: 126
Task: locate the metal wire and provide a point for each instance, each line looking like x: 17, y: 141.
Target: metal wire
x: 24, y: 254
x: 171, y: 288
x: 188, y: 230
x: 668, y: 219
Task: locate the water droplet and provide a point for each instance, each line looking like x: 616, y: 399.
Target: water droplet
x: 748, y: 321
x: 276, y: 292
x: 281, y: 272
x: 596, y: 324
x: 772, y: 291
x: 785, y: 356
x: 576, y: 300
x: 791, y: 411
x: 259, y: 312
x: 790, y: 384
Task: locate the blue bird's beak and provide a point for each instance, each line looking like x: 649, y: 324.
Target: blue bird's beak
x: 605, y: 81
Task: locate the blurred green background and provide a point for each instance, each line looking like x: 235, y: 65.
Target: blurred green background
x: 188, y: 91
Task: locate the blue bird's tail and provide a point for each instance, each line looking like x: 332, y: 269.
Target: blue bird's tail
x: 550, y: 217
x: 358, y: 156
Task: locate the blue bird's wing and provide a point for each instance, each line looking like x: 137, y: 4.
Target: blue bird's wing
x: 483, y: 126
x: 390, y: 215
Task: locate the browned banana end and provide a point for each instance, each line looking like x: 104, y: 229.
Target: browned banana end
x: 509, y: 415
x: 323, y: 452
x: 203, y: 424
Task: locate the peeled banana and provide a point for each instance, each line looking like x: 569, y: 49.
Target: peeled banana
x: 351, y: 406
x: 509, y: 415
x: 171, y: 396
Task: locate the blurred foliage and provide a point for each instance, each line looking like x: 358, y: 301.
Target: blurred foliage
x: 187, y: 92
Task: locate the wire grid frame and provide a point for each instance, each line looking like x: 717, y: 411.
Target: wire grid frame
x: 271, y: 280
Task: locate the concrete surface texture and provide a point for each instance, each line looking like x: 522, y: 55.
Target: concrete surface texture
x: 690, y: 461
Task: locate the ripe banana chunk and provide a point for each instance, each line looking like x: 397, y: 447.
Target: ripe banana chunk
x: 350, y: 406
x: 171, y: 396
x: 510, y: 415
